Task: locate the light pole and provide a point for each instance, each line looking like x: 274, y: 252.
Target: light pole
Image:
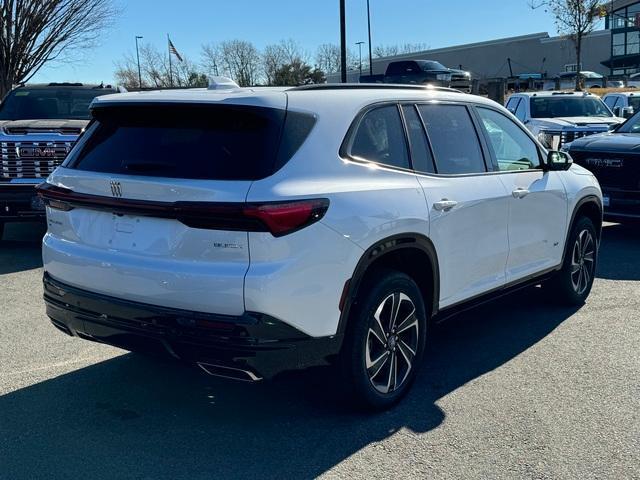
x: 343, y: 43
x: 138, y: 37
x: 360, y: 54
x: 369, y: 29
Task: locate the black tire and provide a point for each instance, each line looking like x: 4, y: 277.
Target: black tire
x: 572, y: 284
x: 393, y: 356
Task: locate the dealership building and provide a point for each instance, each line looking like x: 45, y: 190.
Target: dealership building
x: 614, y: 50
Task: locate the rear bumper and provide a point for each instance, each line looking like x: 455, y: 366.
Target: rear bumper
x: 255, y: 344
x: 19, y: 202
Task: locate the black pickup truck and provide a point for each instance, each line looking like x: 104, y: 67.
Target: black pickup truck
x: 422, y: 72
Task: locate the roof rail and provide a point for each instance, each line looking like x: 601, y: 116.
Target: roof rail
x: 370, y: 86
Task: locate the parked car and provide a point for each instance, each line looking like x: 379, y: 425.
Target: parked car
x: 567, y: 80
x: 623, y: 104
x: 612, y: 83
x: 422, y: 72
x: 38, y: 126
x: 560, y: 117
x: 614, y: 158
x: 257, y: 231
x: 634, y: 80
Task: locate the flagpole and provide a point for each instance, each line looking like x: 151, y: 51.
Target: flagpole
x: 170, y: 68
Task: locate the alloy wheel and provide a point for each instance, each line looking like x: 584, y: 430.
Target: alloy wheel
x: 583, y: 261
x: 392, y: 343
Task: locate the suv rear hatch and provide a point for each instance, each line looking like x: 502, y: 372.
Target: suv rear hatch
x: 149, y: 205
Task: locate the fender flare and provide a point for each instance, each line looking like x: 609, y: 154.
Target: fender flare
x: 582, y: 202
x: 374, y: 253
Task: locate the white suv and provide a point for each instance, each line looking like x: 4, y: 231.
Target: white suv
x: 252, y: 231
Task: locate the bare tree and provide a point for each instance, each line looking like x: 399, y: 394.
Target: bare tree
x: 392, y: 50
x: 154, y: 66
x: 575, y: 19
x: 241, y: 61
x: 275, y: 56
x: 328, y: 57
x: 212, y: 61
x: 34, y: 32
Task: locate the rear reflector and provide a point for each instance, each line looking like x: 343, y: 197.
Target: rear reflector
x: 278, y: 218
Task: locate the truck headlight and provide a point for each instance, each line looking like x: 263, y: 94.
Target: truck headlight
x: 549, y: 140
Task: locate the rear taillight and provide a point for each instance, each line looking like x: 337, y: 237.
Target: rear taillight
x: 284, y: 218
x: 278, y: 218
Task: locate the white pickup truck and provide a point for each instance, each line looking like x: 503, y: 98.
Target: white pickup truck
x: 557, y: 118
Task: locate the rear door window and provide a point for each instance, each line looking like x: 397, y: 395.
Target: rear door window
x: 380, y: 138
x: 454, y: 140
x: 194, y: 142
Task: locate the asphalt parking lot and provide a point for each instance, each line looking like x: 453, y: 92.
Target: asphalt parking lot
x: 515, y: 389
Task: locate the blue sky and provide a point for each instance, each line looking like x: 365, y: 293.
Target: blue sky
x: 191, y: 23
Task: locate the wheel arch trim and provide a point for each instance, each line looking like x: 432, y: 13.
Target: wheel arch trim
x: 377, y: 251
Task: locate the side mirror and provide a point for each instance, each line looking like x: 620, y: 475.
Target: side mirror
x: 627, y: 112
x: 558, y: 161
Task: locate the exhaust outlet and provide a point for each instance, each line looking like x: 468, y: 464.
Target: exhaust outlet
x: 229, y: 372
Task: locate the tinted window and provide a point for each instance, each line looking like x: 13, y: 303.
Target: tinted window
x: 568, y: 106
x: 420, y: 152
x: 398, y: 68
x: 521, y: 112
x: 512, y: 104
x: 380, y: 138
x: 453, y: 138
x: 610, y: 100
x: 196, y: 142
x: 49, y: 103
x: 513, y: 149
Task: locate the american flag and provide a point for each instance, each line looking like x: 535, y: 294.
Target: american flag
x: 172, y: 49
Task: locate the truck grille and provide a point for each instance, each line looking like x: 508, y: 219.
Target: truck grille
x: 567, y: 136
x: 613, y: 170
x: 31, y: 159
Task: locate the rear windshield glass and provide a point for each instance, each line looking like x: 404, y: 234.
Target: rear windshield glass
x: 195, y: 142
x: 50, y: 103
x: 569, y: 106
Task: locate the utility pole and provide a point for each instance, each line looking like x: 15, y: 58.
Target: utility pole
x: 369, y: 29
x: 138, y: 37
x: 360, y: 54
x: 343, y: 43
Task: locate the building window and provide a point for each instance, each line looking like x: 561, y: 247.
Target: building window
x: 619, y: 19
x: 617, y: 43
x: 633, y: 42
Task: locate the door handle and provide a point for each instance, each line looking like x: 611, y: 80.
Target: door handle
x: 444, y: 205
x: 520, y: 192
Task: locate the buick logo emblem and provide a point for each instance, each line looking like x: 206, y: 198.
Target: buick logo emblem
x: 116, y: 188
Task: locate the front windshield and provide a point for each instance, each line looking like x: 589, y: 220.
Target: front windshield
x: 632, y: 125
x: 431, y: 65
x: 568, y: 106
x: 49, y: 103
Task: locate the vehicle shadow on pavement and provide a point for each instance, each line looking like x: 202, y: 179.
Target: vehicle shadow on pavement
x: 137, y: 417
x: 20, y: 248
x: 619, y: 257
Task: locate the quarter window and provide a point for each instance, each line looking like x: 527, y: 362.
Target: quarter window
x: 513, y: 149
x: 420, y: 151
x: 380, y: 138
x: 453, y: 137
